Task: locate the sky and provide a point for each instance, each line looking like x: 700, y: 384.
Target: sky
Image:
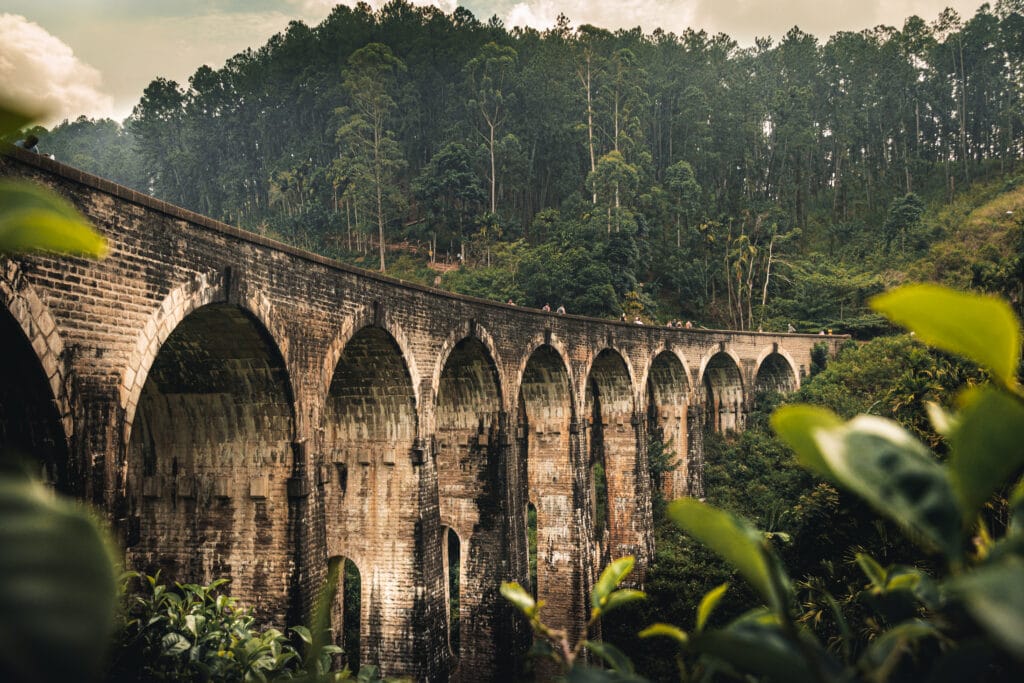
x: 65, y: 58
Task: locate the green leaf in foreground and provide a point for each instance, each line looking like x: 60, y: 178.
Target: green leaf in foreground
x: 708, y: 604
x: 995, y: 597
x: 985, y: 446
x: 12, y: 120
x: 621, y: 597
x: 515, y: 594
x: 58, y: 586
x: 738, y: 543
x: 611, y: 577
x: 978, y: 327
x: 666, y: 631
x: 796, y: 425
x: 32, y: 219
x: 756, y: 644
x: 886, y: 466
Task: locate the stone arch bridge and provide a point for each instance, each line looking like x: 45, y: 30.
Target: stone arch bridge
x: 245, y: 409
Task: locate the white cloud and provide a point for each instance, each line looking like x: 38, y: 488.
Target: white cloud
x: 538, y: 15
x: 741, y: 19
x: 41, y: 73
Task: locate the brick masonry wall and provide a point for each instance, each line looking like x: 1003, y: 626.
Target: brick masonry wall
x: 198, y: 360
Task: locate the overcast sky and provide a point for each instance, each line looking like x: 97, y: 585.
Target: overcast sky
x: 94, y: 57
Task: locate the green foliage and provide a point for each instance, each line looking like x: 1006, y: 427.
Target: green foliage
x: 57, y: 567
x: 765, y: 186
x: 34, y: 219
x: 566, y: 649
x: 57, y: 585
x: 960, y: 617
x: 196, y: 633
x: 982, y: 329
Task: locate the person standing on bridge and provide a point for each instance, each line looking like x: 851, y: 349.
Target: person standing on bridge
x: 561, y: 310
x: 546, y: 309
x: 30, y: 143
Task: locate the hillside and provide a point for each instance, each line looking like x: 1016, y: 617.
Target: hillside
x: 660, y: 175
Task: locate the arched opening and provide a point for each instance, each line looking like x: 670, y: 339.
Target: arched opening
x: 209, y: 459
x: 31, y: 431
x: 723, y: 395
x: 469, y: 458
x: 617, y: 493
x: 452, y: 562
x: 775, y: 375
x: 345, y: 612
x: 669, y: 455
x: 372, y: 497
x: 546, y: 418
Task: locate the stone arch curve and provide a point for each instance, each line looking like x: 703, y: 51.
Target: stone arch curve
x: 202, y: 290
x: 776, y: 350
x: 456, y: 336
x: 616, y: 461
x: 37, y: 322
x: 724, y: 391
x: 352, y: 325
x: 649, y: 366
x: 670, y: 413
x: 711, y: 354
x: 631, y: 374
x: 531, y: 347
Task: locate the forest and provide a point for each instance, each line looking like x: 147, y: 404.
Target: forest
x: 659, y: 175
x: 662, y: 176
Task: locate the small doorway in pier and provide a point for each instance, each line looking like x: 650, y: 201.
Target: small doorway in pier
x: 346, y: 612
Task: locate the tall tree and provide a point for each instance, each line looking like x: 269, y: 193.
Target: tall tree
x: 373, y: 157
x: 487, y: 78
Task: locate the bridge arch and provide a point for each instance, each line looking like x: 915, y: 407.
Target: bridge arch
x: 209, y: 456
x: 202, y: 290
x: 470, y: 454
x: 618, y: 475
x: 722, y: 385
x: 476, y: 332
x: 775, y: 370
x: 369, y: 316
x: 669, y: 398
x: 546, y: 422
x: 35, y: 412
x: 372, y: 461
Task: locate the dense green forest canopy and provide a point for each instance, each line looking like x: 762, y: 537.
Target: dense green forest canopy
x: 657, y: 174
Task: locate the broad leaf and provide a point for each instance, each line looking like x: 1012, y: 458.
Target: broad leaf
x: 621, y: 597
x: 738, y: 543
x: 32, y: 219
x: 796, y: 425
x: 875, y: 572
x: 981, y: 328
x: 666, y: 631
x: 985, y: 446
x: 58, y: 584
x: 611, y: 577
x: 515, y: 594
x: 708, y: 604
x: 174, y: 644
x: 994, y: 595
x: 757, y: 645
x: 886, y: 466
x: 13, y: 120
